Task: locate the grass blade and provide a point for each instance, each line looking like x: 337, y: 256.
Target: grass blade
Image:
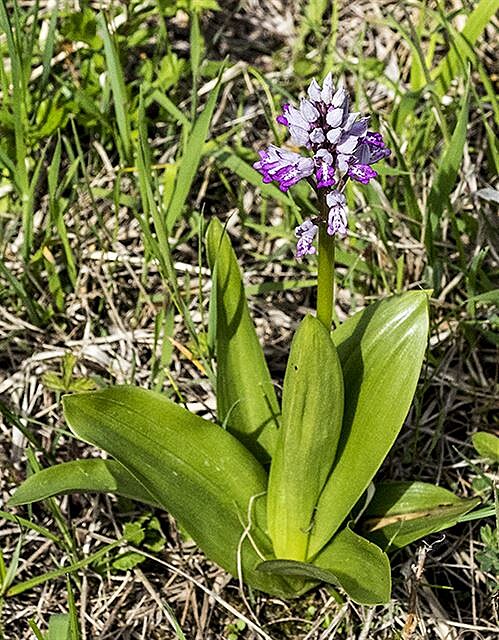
x: 445, y: 178
x: 191, y: 158
x: 117, y: 87
x: 463, y: 44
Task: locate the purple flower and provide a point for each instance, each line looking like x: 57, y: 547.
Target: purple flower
x: 337, y: 216
x: 362, y: 173
x: 306, y: 233
x: 282, y: 119
x: 284, y: 166
x: 324, y: 171
x: 370, y: 150
x: 377, y: 148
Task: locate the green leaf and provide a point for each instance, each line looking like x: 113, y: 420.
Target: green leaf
x: 127, y: 560
x: 401, y: 512
x: 169, y: 106
x: 134, y: 532
x: 196, y: 40
x: 78, y: 476
x: 246, y: 399
x: 81, y: 26
x: 194, y: 469
x: 354, y: 563
x: 189, y: 163
x: 145, y: 533
x: 59, y: 627
x: 204, y: 5
x: 312, y: 412
x: 169, y: 71
x: 381, y: 350
x: 362, y: 568
x: 487, y: 445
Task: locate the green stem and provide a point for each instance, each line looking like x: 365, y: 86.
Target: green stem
x: 325, y: 275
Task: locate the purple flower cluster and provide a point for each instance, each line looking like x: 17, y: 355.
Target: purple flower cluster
x: 340, y: 145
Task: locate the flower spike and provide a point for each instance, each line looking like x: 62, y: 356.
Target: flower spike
x: 339, y: 147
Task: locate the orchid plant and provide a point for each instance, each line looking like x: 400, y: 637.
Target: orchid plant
x: 281, y: 494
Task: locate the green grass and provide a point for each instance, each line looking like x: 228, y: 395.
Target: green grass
x: 121, y: 134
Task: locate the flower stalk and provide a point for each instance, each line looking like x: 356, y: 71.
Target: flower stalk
x: 325, y: 274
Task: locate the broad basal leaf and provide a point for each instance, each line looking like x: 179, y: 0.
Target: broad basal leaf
x: 246, y: 399
x: 349, y: 560
x: 194, y: 469
x: 401, y: 512
x: 79, y: 476
x: 312, y: 412
x: 362, y: 569
x: 381, y: 350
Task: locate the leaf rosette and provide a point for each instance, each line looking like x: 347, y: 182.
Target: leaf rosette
x: 269, y: 492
